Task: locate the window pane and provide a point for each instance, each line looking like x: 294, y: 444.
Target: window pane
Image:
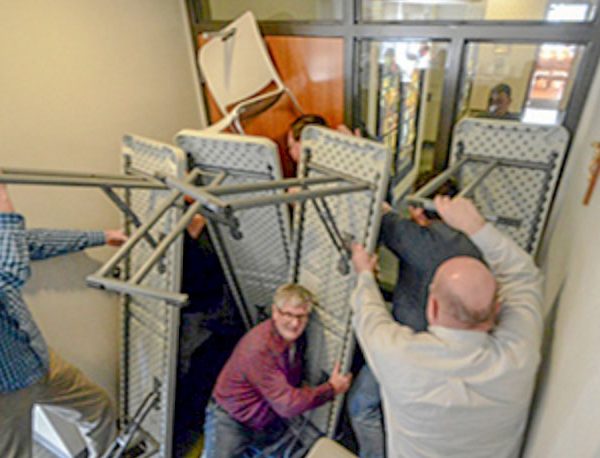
x: 400, y: 95
x: 530, y: 83
x: 479, y: 10
x: 268, y: 10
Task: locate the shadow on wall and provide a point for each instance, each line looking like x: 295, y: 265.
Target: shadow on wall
x: 64, y: 273
x: 546, y: 355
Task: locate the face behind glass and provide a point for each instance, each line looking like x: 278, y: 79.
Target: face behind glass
x: 499, y: 103
x: 290, y: 321
x: 294, y: 147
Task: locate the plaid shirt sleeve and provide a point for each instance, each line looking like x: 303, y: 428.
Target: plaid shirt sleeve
x: 14, y: 256
x: 18, y: 246
x: 47, y: 243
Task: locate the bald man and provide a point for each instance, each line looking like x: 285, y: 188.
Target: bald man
x: 420, y: 244
x: 464, y: 386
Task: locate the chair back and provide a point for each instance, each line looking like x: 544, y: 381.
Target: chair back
x: 235, y: 63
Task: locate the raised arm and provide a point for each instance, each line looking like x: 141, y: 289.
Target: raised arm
x: 379, y: 335
x: 519, y: 280
x: 6, y: 205
x: 46, y: 243
x: 14, y: 256
x: 398, y: 234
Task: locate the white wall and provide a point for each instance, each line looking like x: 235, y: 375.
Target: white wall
x: 75, y: 76
x: 567, y: 414
x: 268, y: 10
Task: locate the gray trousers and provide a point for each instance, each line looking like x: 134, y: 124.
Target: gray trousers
x: 66, y: 391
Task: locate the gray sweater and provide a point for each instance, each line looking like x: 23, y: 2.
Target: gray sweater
x: 420, y: 250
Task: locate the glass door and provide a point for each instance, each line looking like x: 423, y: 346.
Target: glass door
x: 400, y: 92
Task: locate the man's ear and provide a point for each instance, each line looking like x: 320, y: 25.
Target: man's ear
x: 496, y: 312
x: 433, y: 309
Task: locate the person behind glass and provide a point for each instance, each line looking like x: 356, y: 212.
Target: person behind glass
x: 294, y: 146
x: 30, y: 372
x: 294, y: 133
x: 260, y: 385
x: 421, y: 243
x: 463, y: 387
x: 499, y: 102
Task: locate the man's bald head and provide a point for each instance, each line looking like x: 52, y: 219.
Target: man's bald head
x: 464, y: 291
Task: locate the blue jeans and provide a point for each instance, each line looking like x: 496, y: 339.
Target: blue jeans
x: 364, y: 408
x: 224, y: 437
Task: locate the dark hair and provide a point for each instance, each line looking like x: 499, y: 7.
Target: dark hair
x: 302, y: 121
x: 447, y: 188
x: 500, y: 88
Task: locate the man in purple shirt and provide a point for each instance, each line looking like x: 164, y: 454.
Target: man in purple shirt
x: 259, y: 386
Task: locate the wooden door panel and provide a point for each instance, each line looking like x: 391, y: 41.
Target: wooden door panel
x: 313, y: 69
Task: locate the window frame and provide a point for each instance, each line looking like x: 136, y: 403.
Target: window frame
x: 457, y: 33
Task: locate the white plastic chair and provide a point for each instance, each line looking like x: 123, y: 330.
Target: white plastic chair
x: 236, y: 67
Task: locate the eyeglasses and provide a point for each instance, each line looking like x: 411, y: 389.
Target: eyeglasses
x: 291, y: 316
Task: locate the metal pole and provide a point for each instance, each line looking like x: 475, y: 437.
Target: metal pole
x: 165, y: 243
x: 199, y: 193
x: 273, y: 185
x: 511, y: 162
x: 439, y: 180
x: 295, y: 197
x: 128, y: 212
x: 142, y: 230
x: 56, y: 173
x: 176, y: 299
x: 170, y: 238
x: 467, y: 190
x: 73, y: 181
x: 336, y: 173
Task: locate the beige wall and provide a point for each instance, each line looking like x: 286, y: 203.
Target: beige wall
x: 499, y: 63
x: 77, y: 75
x: 499, y: 10
x: 566, y: 416
x: 276, y: 11
x: 511, y: 64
